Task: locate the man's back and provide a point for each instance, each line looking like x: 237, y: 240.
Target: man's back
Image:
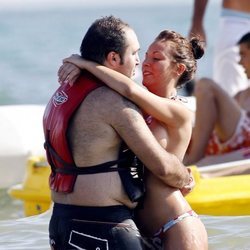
x: 93, y: 141
x: 91, y: 137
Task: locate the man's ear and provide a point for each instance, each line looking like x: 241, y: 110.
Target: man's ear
x: 113, y: 58
x: 180, y: 68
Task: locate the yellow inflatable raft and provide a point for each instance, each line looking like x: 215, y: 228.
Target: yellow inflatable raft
x: 213, y: 196
x: 34, y: 191
x: 229, y: 195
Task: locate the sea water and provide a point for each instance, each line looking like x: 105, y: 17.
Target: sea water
x: 20, y: 233
x: 34, y: 38
x: 33, y: 41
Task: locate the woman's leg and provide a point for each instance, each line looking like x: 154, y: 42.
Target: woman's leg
x: 189, y: 234
x: 215, y: 110
x: 164, y: 204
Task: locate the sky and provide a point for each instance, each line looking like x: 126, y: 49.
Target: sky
x: 31, y: 4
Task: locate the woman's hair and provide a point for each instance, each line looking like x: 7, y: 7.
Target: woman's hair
x: 183, y: 51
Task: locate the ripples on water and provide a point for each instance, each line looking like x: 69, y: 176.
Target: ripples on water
x: 228, y: 233
x: 225, y: 233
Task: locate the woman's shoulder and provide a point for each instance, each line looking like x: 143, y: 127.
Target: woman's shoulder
x: 183, y: 111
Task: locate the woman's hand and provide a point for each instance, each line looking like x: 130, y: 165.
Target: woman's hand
x: 68, y: 73
x: 70, y: 69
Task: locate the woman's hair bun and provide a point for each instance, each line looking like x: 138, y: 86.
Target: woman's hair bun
x: 198, y: 47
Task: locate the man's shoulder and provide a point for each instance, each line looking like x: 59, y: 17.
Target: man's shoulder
x: 105, y: 95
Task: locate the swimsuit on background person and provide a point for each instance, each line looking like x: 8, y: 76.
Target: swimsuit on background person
x: 240, y: 139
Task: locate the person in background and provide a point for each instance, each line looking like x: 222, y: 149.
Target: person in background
x: 222, y: 123
x: 233, y: 24
x: 95, y: 180
x: 169, y: 63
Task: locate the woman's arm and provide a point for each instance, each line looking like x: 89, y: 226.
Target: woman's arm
x: 243, y: 99
x: 165, y: 110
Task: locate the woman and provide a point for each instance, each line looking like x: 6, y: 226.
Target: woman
x: 170, y: 62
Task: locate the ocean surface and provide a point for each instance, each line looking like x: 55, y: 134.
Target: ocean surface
x: 20, y: 233
x: 33, y: 41
x: 34, y: 38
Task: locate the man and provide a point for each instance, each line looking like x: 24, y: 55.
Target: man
x: 222, y: 123
x: 92, y: 188
x: 234, y: 23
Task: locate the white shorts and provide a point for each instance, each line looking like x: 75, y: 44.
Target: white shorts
x: 226, y: 70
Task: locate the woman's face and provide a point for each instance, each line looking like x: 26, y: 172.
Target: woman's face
x: 157, y: 67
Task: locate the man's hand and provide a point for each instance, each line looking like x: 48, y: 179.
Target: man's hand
x: 189, y: 187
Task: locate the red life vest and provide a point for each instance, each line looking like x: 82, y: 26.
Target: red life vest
x: 58, y: 113
x: 57, y: 116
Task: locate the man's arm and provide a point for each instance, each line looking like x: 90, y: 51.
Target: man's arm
x: 197, y: 27
x: 127, y: 120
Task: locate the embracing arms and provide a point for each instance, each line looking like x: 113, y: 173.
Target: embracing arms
x: 163, y: 109
x: 127, y: 120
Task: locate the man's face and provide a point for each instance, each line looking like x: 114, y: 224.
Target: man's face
x: 245, y: 57
x: 130, y: 57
